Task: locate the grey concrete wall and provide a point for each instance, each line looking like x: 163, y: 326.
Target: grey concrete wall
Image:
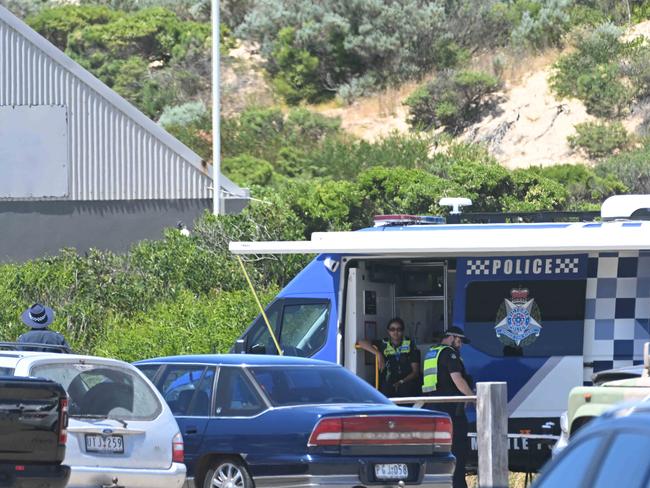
x: 35, y: 229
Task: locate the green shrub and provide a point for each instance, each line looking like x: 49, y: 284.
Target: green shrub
x: 345, y: 157
x: 248, y: 170
x: 323, y: 204
x: 297, y: 75
x: 604, y: 72
x: 185, y: 325
x: 303, y: 124
x: 151, y: 57
x: 454, y: 99
x: 401, y: 190
x: 630, y: 167
x: 585, y: 188
x: 542, y: 23
x: 585, y: 15
x: 599, y: 139
x: 533, y: 192
x: 485, y: 183
x: 183, y: 115
x: 315, y: 48
x: 640, y: 12
x: 57, y: 23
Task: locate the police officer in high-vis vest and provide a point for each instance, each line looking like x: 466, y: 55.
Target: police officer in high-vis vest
x: 445, y: 375
x: 399, y: 361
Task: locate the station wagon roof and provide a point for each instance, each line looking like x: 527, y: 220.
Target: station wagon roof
x: 468, y: 239
x: 12, y: 357
x: 237, y: 360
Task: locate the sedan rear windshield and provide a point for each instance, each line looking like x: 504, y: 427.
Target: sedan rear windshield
x: 314, y: 384
x: 101, y: 391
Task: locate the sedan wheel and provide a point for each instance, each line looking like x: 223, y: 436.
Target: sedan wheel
x: 227, y: 474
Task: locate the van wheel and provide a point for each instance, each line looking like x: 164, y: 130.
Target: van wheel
x: 227, y: 473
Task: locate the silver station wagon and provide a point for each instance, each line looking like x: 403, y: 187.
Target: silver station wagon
x: 121, y: 433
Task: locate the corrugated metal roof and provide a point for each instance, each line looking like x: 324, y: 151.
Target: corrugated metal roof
x: 116, y: 152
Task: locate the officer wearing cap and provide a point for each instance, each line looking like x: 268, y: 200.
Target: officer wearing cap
x: 445, y: 375
x: 38, y: 317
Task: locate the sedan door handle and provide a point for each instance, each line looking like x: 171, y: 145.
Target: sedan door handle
x: 191, y: 430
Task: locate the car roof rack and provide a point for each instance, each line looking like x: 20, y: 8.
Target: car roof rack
x: 34, y: 346
x: 517, y: 217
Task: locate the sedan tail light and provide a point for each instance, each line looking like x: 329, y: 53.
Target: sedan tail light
x: 178, y: 449
x: 63, y: 421
x: 381, y: 430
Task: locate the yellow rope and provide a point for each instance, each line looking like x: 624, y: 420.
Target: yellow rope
x: 376, y: 365
x: 266, y: 319
x: 376, y: 370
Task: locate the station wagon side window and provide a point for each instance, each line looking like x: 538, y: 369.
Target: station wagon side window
x: 149, y: 370
x: 178, y: 386
x: 236, y: 396
x: 200, y: 405
x: 96, y: 390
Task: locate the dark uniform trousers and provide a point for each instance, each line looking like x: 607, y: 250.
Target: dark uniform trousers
x: 460, y: 442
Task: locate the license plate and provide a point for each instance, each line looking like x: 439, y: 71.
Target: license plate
x: 391, y: 471
x: 104, y: 443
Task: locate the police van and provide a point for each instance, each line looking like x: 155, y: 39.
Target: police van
x: 545, y: 304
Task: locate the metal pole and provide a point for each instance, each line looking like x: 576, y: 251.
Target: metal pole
x: 216, y: 110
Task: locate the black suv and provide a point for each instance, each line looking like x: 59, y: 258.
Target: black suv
x: 33, y: 422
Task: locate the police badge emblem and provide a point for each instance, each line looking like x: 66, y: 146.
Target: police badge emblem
x: 518, y: 321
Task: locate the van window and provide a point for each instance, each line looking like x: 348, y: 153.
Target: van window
x: 561, y: 307
x: 99, y: 390
x: 304, y: 327
x: 300, y: 325
x: 258, y: 339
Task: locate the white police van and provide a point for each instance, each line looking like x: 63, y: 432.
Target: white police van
x: 545, y: 304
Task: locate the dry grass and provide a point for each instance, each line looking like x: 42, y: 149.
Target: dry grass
x: 379, y: 114
x: 513, y: 67
x: 374, y: 116
x: 517, y: 480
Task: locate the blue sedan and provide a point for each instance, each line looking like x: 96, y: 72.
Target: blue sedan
x: 272, y: 421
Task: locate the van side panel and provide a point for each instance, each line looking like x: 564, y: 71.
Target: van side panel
x: 617, y: 312
x: 314, y: 278
x: 524, y: 315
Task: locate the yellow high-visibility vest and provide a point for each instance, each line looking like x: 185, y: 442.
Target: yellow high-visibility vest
x: 430, y: 377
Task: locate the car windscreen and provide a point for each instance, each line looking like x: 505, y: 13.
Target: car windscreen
x: 103, y: 391
x: 300, y: 385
